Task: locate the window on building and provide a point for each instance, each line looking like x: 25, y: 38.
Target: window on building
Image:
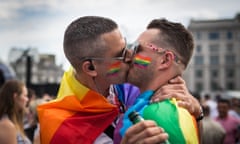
x: 214, y: 48
x: 198, y: 36
x: 213, y: 36
x: 214, y: 73
x: 230, y: 85
x: 229, y: 35
x: 214, y: 86
x: 198, y: 73
x: 198, y: 60
x: 199, y: 86
x: 199, y: 48
x: 51, y: 79
x: 214, y: 60
x: 238, y: 35
x: 230, y: 59
x: 230, y: 73
x: 229, y: 47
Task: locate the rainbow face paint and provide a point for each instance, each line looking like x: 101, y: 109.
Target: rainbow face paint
x: 114, y: 68
x: 142, y: 61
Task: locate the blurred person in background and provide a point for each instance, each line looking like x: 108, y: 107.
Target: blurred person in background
x: 28, y: 120
x: 13, y: 100
x: 33, y: 109
x: 235, y: 108
x: 213, y: 132
x: 31, y: 125
x: 212, y: 105
x: 229, y: 123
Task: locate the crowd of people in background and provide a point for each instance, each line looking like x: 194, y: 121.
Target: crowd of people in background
x: 221, y: 124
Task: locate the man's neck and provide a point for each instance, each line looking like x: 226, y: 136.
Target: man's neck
x: 90, y: 83
x: 153, y: 85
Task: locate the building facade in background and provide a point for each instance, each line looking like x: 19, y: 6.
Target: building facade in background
x: 34, y: 68
x: 6, y: 72
x: 215, y: 65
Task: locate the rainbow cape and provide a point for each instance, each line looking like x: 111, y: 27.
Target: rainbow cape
x: 78, y: 115
x: 176, y: 121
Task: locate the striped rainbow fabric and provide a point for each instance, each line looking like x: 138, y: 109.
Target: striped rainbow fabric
x: 176, y: 121
x: 78, y: 115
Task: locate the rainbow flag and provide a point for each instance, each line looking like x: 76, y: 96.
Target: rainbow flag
x: 78, y: 115
x: 176, y: 121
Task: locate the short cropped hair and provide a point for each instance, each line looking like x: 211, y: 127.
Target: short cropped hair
x: 174, y: 36
x: 82, y: 38
x: 224, y: 100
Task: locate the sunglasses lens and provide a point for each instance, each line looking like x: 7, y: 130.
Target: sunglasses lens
x: 135, y: 49
x: 124, y: 54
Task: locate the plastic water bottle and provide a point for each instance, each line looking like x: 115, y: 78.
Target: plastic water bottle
x: 135, y: 117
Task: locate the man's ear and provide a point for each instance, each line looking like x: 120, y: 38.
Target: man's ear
x: 89, y: 68
x: 167, y: 60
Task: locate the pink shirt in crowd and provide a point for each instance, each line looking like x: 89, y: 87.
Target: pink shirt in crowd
x: 230, y: 124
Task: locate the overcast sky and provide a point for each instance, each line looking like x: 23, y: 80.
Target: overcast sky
x: 41, y: 23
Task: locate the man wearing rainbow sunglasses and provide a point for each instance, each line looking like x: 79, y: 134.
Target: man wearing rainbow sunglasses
x: 161, y: 53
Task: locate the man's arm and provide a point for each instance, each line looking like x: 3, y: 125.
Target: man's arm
x: 177, y: 88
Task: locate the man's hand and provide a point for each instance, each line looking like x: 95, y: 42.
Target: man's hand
x: 176, y: 88
x: 146, y: 132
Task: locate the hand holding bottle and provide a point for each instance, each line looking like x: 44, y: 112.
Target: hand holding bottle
x: 144, y: 130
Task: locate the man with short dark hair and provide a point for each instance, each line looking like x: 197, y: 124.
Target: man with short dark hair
x: 161, y: 53
x: 229, y: 123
